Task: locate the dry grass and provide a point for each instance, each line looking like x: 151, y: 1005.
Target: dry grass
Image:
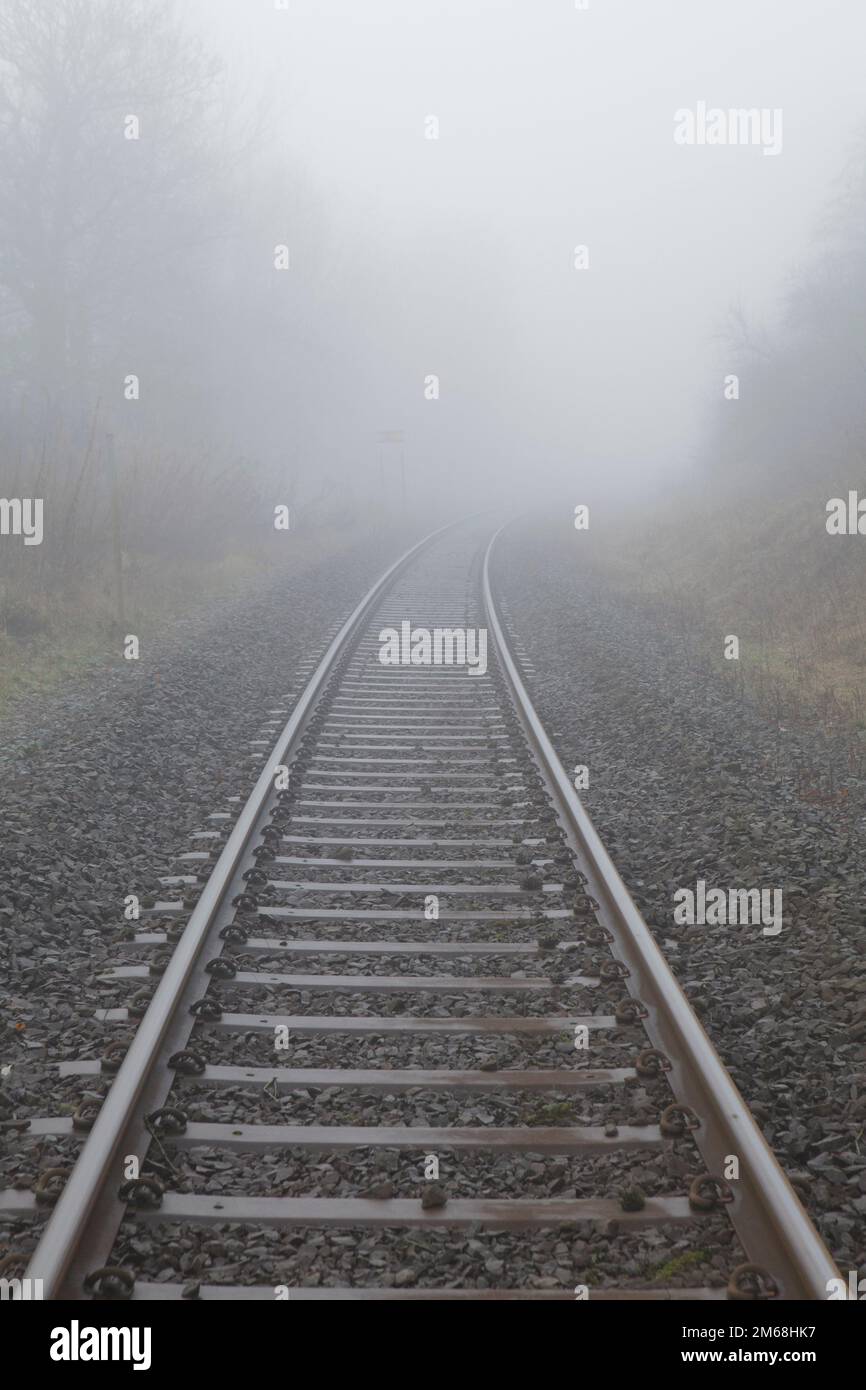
x: 180, y: 529
x: 768, y: 572
x: 79, y: 631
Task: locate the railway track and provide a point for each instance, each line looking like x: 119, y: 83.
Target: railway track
x: 410, y: 919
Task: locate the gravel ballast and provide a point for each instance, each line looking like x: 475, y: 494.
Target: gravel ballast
x: 689, y: 781
x: 102, y: 784
x: 170, y: 759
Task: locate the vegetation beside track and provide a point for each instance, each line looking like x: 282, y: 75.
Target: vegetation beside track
x: 762, y: 569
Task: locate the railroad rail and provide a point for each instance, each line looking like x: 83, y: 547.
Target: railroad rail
x: 411, y: 839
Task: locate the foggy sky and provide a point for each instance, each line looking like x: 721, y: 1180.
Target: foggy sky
x: 455, y: 256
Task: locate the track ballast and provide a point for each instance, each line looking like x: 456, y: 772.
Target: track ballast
x: 401, y: 999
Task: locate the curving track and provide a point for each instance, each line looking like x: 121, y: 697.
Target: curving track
x: 310, y: 928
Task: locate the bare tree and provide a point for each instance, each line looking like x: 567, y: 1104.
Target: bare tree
x: 93, y: 219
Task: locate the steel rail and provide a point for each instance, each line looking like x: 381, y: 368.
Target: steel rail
x: 772, y: 1225
x: 68, y: 1223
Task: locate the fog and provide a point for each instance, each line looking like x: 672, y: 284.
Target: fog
x: 285, y: 287
x: 555, y: 129
x: 410, y: 257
